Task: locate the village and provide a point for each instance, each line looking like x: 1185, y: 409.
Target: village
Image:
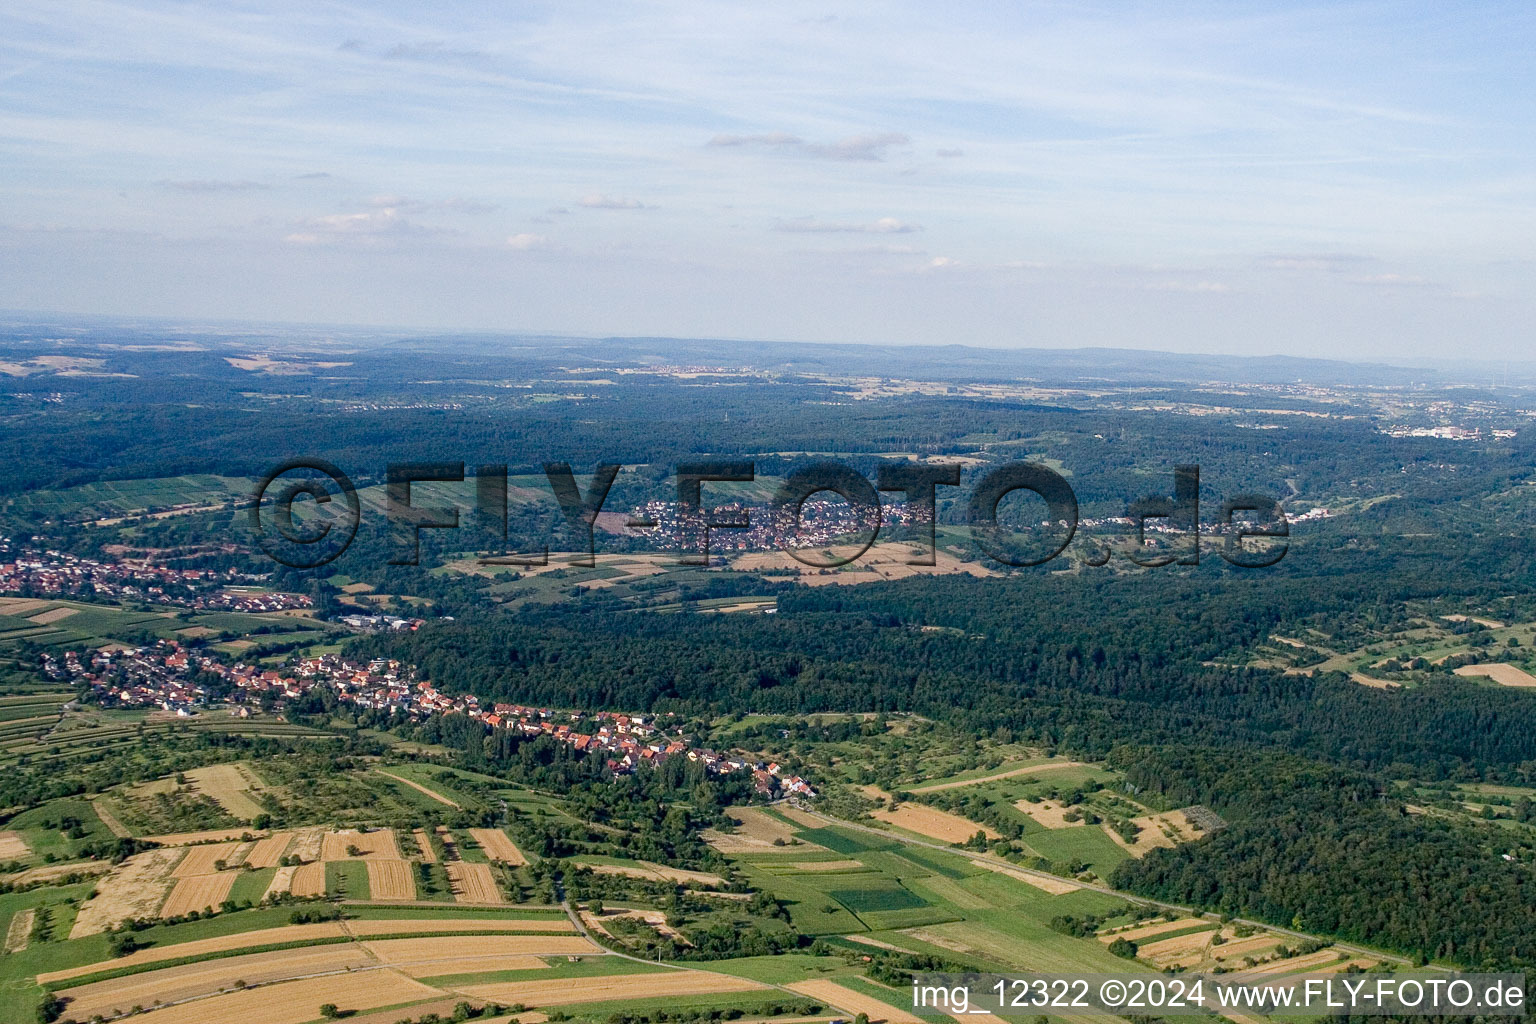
x: 31, y: 571
x: 187, y: 683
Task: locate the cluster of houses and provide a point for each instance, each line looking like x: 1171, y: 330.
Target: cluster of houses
x: 169, y: 676
x: 624, y: 740
x: 164, y: 675
x: 1449, y: 433
x: 49, y: 573
x: 822, y: 522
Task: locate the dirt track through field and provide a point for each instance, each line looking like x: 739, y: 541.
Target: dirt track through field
x: 498, y: 847
x: 109, y: 819
x: 418, y: 787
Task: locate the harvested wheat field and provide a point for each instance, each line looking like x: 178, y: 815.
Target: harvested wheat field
x: 1044, y: 882
x: 296, y: 1002
x: 54, y: 872
x: 934, y: 823
x: 231, y: 785
x: 201, y: 860
x: 135, y: 888
x: 363, y: 929
x: 418, y: 787
x: 377, y: 845
x: 12, y: 846
x: 51, y: 616
x: 656, y: 873
x: 1311, y: 961
x: 1180, y: 951
x: 20, y: 606
x: 424, y: 844
x: 1051, y: 814
x: 20, y: 931
x: 854, y: 1003
x: 306, y: 844
x: 755, y: 832
x: 391, y: 880
x: 1501, y: 673
x: 308, y: 880
x: 269, y: 851
x: 610, y: 988
x: 1146, y: 931
x: 203, y: 947
x: 1238, y: 948
x: 428, y: 969
x: 191, y: 981
x: 498, y: 846
x: 213, y: 835
x: 199, y: 893
x: 473, y: 883
x: 446, y: 949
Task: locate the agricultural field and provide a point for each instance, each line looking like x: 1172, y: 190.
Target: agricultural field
x: 1495, y: 644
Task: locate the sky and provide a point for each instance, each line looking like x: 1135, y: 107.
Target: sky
x: 1355, y: 180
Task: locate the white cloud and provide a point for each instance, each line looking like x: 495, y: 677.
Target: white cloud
x: 854, y: 147
x: 213, y: 186
x: 526, y: 240
x: 883, y: 226
x: 602, y: 202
